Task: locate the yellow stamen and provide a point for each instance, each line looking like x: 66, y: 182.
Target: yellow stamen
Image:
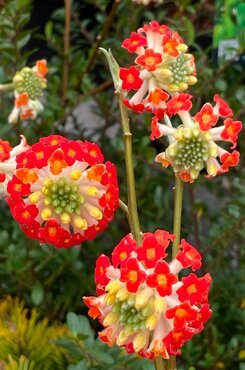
x: 65, y: 218
x: 110, y: 319
x: 46, y: 214
x: 92, y: 191
x: 151, y: 322
x: 34, y: 197
x: 75, y: 175
x: 139, y: 341
x: 96, y: 213
x: 80, y: 223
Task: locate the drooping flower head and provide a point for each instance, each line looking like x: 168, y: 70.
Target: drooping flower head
x: 193, y: 145
x: 29, y: 84
x: 142, y: 303
x: 161, y: 67
x: 61, y: 191
x: 8, y: 162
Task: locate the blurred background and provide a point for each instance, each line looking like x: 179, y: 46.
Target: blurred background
x: 53, y: 332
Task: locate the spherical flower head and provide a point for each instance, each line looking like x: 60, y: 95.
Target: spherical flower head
x: 162, y: 64
x: 142, y: 303
x: 193, y: 145
x: 29, y: 85
x: 8, y: 162
x: 61, y: 192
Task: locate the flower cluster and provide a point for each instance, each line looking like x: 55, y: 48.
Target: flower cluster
x: 143, y: 305
x: 61, y: 192
x: 8, y: 162
x: 162, y: 66
x: 192, y: 145
x: 28, y: 85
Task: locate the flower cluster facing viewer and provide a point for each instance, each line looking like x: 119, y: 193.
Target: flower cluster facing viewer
x: 60, y: 191
x: 143, y: 305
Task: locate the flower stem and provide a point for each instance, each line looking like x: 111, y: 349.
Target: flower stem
x: 178, y: 197
x: 171, y: 364
x: 132, y: 203
x: 158, y: 362
x: 7, y: 87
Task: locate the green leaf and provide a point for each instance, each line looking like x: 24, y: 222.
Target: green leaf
x: 48, y: 30
x: 189, y: 30
x: 114, y: 67
x: 79, y: 324
x: 37, y: 293
x: 82, y: 365
x: 101, y: 356
x: 22, y: 42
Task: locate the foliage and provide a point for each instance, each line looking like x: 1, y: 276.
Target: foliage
x: 22, y: 336
x: 55, y: 280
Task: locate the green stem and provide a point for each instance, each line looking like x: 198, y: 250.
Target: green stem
x: 171, y: 364
x: 132, y: 203
x: 178, y: 198
x: 158, y: 362
x: 7, y: 87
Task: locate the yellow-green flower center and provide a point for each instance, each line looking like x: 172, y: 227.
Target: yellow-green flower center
x: 191, y: 152
x: 31, y: 84
x: 63, y: 196
x: 133, y: 319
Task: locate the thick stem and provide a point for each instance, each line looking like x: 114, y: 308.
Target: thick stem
x: 66, y: 49
x: 158, y: 362
x: 7, y: 87
x: 132, y: 203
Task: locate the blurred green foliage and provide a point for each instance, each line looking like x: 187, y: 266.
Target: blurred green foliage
x: 54, y: 281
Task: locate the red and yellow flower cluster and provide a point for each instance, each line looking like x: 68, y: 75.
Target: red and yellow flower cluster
x: 61, y: 192
x: 162, y: 71
x: 161, y: 67
x: 29, y: 84
x: 192, y: 145
x: 143, y: 305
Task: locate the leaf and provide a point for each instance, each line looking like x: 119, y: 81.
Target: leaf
x: 23, y: 3
x: 189, y: 30
x: 114, y: 67
x: 22, y: 42
x: 82, y: 365
x: 70, y: 346
x: 79, y: 324
x: 101, y: 356
x: 37, y: 293
x: 48, y: 30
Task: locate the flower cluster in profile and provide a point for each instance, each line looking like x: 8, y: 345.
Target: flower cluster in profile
x: 162, y: 66
x: 61, y: 192
x: 28, y: 89
x: 142, y: 303
x: 162, y: 72
x: 193, y: 145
